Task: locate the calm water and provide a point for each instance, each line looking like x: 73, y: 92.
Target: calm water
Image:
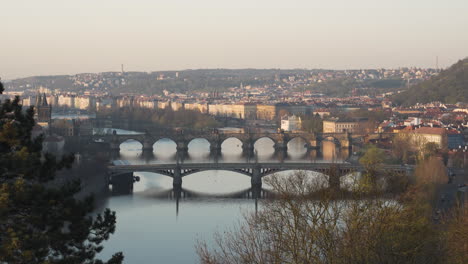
x: 153, y: 228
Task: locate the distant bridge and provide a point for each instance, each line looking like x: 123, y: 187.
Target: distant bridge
x: 334, y: 171
x: 216, y: 138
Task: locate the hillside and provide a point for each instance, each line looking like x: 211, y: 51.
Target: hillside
x: 450, y: 86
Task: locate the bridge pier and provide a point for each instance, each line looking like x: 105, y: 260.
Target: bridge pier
x: 182, y: 146
x: 248, y: 147
x: 334, y: 178
x: 256, y: 182
x: 215, y: 145
x: 114, y: 146
x: 114, y: 154
x: 280, y: 155
x: 122, y: 183
x: 215, y: 150
x: 147, y: 154
x: 147, y: 146
x: 346, y: 142
x: 177, y: 178
x: 281, y: 146
x: 313, y: 145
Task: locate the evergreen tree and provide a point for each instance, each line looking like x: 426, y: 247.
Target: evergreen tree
x: 41, y: 222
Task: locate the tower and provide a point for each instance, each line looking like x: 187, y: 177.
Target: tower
x: 43, y: 109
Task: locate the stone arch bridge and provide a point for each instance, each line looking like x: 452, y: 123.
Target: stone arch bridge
x: 216, y: 138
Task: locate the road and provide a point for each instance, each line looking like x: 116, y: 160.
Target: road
x: 448, y: 192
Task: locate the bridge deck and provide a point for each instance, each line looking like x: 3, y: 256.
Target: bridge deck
x: 231, y: 166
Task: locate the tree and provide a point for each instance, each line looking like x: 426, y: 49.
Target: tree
x: 372, y: 161
x: 312, y: 123
x: 430, y: 149
x: 401, y: 147
x: 40, y: 220
x: 298, y: 227
x: 457, y: 236
x: 449, y: 86
x: 429, y: 175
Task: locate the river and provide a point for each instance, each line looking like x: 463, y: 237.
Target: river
x: 152, y: 227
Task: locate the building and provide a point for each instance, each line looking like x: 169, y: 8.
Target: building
x: 63, y: 127
x: 322, y: 112
x: 176, y: 106
x: 85, y: 103
x: 266, y: 112
x: 250, y: 111
x: 72, y: 127
x: 455, y: 139
x: 202, y: 107
x: 386, y: 126
x: 66, y: 101
x: 435, y: 135
x: 105, y: 103
x: 337, y: 125
x: 43, y: 110
x: 412, y: 121
x: 291, y: 123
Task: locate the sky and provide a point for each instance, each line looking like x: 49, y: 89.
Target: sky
x: 50, y: 37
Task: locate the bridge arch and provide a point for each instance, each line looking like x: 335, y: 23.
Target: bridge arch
x: 268, y: 139
x: 332, y: 139
x: 135, y: 143
x: 237, y: 140
x: 303, y: 140
x: 240, y: 171
x: 164, y: 145
x: 265, y: 137
x: 200, y: 142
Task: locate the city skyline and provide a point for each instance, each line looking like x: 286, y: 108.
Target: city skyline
x: 51, y: 37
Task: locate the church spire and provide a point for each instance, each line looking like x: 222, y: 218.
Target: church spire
x: 38, y: 99
x: 44, y: 100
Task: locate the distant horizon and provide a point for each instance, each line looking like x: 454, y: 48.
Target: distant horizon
x: 234, y: 69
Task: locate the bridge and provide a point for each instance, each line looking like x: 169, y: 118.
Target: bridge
x: 216, y: 138
x: 123, y: 174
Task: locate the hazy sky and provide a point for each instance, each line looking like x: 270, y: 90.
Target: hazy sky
x: 39, y: 37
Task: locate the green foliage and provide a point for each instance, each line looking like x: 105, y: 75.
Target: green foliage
x: 371, y: 160
x: 450, y: 86
x: 41, y: 221
x: 312, y: 123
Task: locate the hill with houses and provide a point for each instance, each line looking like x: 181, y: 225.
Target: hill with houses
x: 450, y: 86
